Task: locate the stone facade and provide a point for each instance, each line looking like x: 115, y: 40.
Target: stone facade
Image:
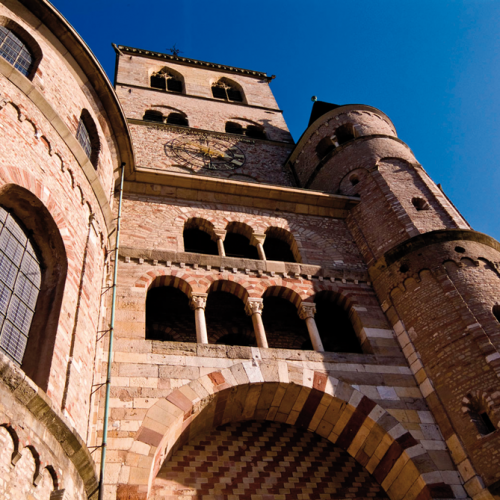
x: 310, y: 320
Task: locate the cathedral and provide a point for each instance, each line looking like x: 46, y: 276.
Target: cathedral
x: 195, y: 307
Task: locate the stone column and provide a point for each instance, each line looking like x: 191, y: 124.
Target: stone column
x: 307, y: 311
x: 254, y: 308
x: 198, y: 303
x: 221, y: 236
x: 257, y: 240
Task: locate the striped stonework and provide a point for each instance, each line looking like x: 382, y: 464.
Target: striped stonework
x: 284, y: 393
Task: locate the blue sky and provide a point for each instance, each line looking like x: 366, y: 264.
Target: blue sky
x: 432, y: 66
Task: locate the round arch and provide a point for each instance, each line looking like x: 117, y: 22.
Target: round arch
x: 232, y: 287
x: 168, y: 277
x: 45, y: 234
x: 282, y: 234
x: 278, y: 391
x: 283, y: 292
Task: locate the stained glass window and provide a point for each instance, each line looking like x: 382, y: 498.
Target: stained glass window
x: 15, y: 51
x: 20, y: 278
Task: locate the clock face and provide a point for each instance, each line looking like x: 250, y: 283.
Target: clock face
x: 204, y: 151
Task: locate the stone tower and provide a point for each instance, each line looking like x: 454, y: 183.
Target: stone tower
x: 436, y: 278
x: 310, y: 320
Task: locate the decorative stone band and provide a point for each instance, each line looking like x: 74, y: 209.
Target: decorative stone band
x: 30, y: 400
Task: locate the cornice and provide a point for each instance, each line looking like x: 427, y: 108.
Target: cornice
x: 203, y: 98
x: 191, y: 130
x: 149, y: 182
x: 428, y: 239
x: 189, y: 62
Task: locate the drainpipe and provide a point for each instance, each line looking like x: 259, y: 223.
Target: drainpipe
x: 111, y: 332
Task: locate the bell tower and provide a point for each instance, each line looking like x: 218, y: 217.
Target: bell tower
x: 193, y: 117
x: 437, y: 279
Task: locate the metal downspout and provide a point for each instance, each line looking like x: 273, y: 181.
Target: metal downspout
x: 111, y: 332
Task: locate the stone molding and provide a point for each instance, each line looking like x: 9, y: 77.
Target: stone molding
x: 41, y: 407
x: 251, y: 194
x: 184, y: 260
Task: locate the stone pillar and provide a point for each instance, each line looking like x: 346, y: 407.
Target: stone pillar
x: 257, y: 240
x: 307, y: 311
x: 221, y: 236
x: 198, y: 303
x: 254, y: 308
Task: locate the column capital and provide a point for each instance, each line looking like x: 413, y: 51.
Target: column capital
x: 254, y: 306
x: 198, y: 300
x: 257, y: 238
x: 307, y: 310
x: 220, y: 233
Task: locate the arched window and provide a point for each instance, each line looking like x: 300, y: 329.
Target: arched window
x: 168, y: 315
x: 152, y: 115
x: 20, y: 281
x: 234, y: 128
x: 476, y: 406
x: 225, y: 89
x: 227, y: 322
x: 15, y: 51
x: 33, y: 267
x: 199, y: 237
x: 284, y: 329
x: 280, y: 245
x: 87, y: 136
x: 324, y: 147
x: 255, y: 132
x: 177, y: 119
x: 237, y: 241
x: 496, y: 312
x: 420, y: 203
x: 345, y: 133
x: 166, y: 79
x: 334, y: 326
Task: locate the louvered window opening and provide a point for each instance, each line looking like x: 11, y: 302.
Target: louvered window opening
x: 165, y: 82
x: 20, y: 278
x: 83, y: 137
x: 15, y: 51
x: 177, y: 119
x: 228, y: 93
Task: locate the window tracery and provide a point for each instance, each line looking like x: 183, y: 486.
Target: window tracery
x: 224, y: 89
x: 166, y: 80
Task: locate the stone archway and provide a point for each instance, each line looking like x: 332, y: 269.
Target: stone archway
x: 281, y: 392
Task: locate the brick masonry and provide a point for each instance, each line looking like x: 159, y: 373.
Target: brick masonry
x: 262, y: 460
